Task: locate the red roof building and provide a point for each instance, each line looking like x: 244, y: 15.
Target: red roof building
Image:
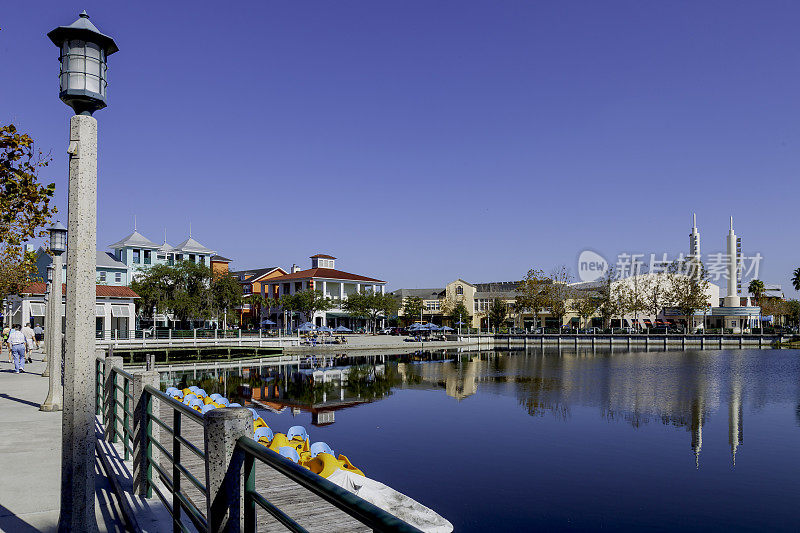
x: 323, y: 276
x: 115, y: 307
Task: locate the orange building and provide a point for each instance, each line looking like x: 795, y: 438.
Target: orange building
x: 219, y: 266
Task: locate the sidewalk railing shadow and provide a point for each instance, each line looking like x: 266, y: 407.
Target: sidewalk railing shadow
x: 5, y: 396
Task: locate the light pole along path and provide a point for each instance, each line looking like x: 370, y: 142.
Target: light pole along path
x: 83, y: 51
x: 55, y: 393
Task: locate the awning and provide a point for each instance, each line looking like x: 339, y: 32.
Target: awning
x: 99, y: 310
x: 37, y: 309
x: 121, y: 311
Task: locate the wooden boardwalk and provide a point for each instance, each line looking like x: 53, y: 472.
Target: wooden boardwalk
x: 308, y: 509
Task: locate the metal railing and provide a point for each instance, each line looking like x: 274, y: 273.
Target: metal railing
x: 109, y: 406
x: 358, y: 508
x: 179, y: 501
x: 153, y: 456
x: 199, y: 333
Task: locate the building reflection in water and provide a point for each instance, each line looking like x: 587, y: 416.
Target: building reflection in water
x: 679, y: 389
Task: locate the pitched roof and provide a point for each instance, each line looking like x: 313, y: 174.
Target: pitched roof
x: 103, y: 259
x: 425, y: 294
x: 192, y: 246
x: 247, y: 276
x: 323, y: 256
x: 107, y: 260
x: 328, y: 273
x: 220, y: 259
x: 135, y: 239
x: 166, y: 248
x: 108, y: 291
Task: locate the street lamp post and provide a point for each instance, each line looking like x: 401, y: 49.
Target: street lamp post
x: 83, y: 83
x: 47, y: 296
x: 55, y: 395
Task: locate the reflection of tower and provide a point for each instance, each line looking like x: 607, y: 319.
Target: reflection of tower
x: 697, y: 429
x: 694, y: 239
x: 732, y: 298
x: 735, y: 419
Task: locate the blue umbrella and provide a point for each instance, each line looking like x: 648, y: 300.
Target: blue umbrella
x: 430, y: 327
x: 325, y: 329
x: 343, y: 329
x: 445, y: 328
x: 415, y: 326
x: 268, y: 323
x: 306, y: 326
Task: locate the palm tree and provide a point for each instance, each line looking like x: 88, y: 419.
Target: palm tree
x: 796, y: 279
x: 256, y: 302
x: 756, y: 288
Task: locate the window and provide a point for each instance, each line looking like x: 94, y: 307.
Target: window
x: 103, y: 276
x: 247, y: 289
x: 118, y: 277
x: 191, y: 258
x: 433, y: 305
x: 147, y: 259
x: 179, y: 257
x: 136, y: 257
x: 170, y: 259
x: 459, y: 290
x: 202, y: 260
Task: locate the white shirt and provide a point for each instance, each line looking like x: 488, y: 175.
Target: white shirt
x: 16, y: 337
x: 28, y: 332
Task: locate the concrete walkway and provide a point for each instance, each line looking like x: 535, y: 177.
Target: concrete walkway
x: 30, y: 457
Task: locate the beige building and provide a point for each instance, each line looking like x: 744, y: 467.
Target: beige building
x: 437, y: 304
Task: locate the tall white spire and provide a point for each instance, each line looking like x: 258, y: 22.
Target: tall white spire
x: 732, y: 298
x: 134, y: 222
x: 694, y: 239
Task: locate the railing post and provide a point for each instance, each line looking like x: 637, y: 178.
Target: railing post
x: 224, y: 467
x: 143, y: 453
x: 110, y: 408
x: 194, y: 336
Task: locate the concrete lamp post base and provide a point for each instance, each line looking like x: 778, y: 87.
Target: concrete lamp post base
x: 78, y: 419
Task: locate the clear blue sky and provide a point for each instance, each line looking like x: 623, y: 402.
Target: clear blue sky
x: 422, y: 141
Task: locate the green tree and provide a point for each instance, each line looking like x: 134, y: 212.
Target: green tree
x: 24, y: 202
x: 532, y: 294
x: 558, y: 293
x: 256, y: 303
x: 24, y: 207
x: 793, y: 311
x: 288, y: 303
x: 498, y: 311
x: 585, y: 306
x: 688, y: 289
x: 412, y: 308
x: 796, y: 279
x: 756, y: 288
x: 310, y: 301
x: 459, y: 314
x: 370, y: 305
x: 227, y: 295
x: 184, y: 289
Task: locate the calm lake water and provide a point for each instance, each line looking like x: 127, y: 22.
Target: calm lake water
x: 570, y: 440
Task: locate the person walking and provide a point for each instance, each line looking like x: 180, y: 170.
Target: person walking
x: 6, y: 331
x: 18, y: 345
x: 29, y: 336
x: 38, y: 335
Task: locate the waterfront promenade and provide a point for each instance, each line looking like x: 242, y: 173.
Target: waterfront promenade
x: 30, y: 460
